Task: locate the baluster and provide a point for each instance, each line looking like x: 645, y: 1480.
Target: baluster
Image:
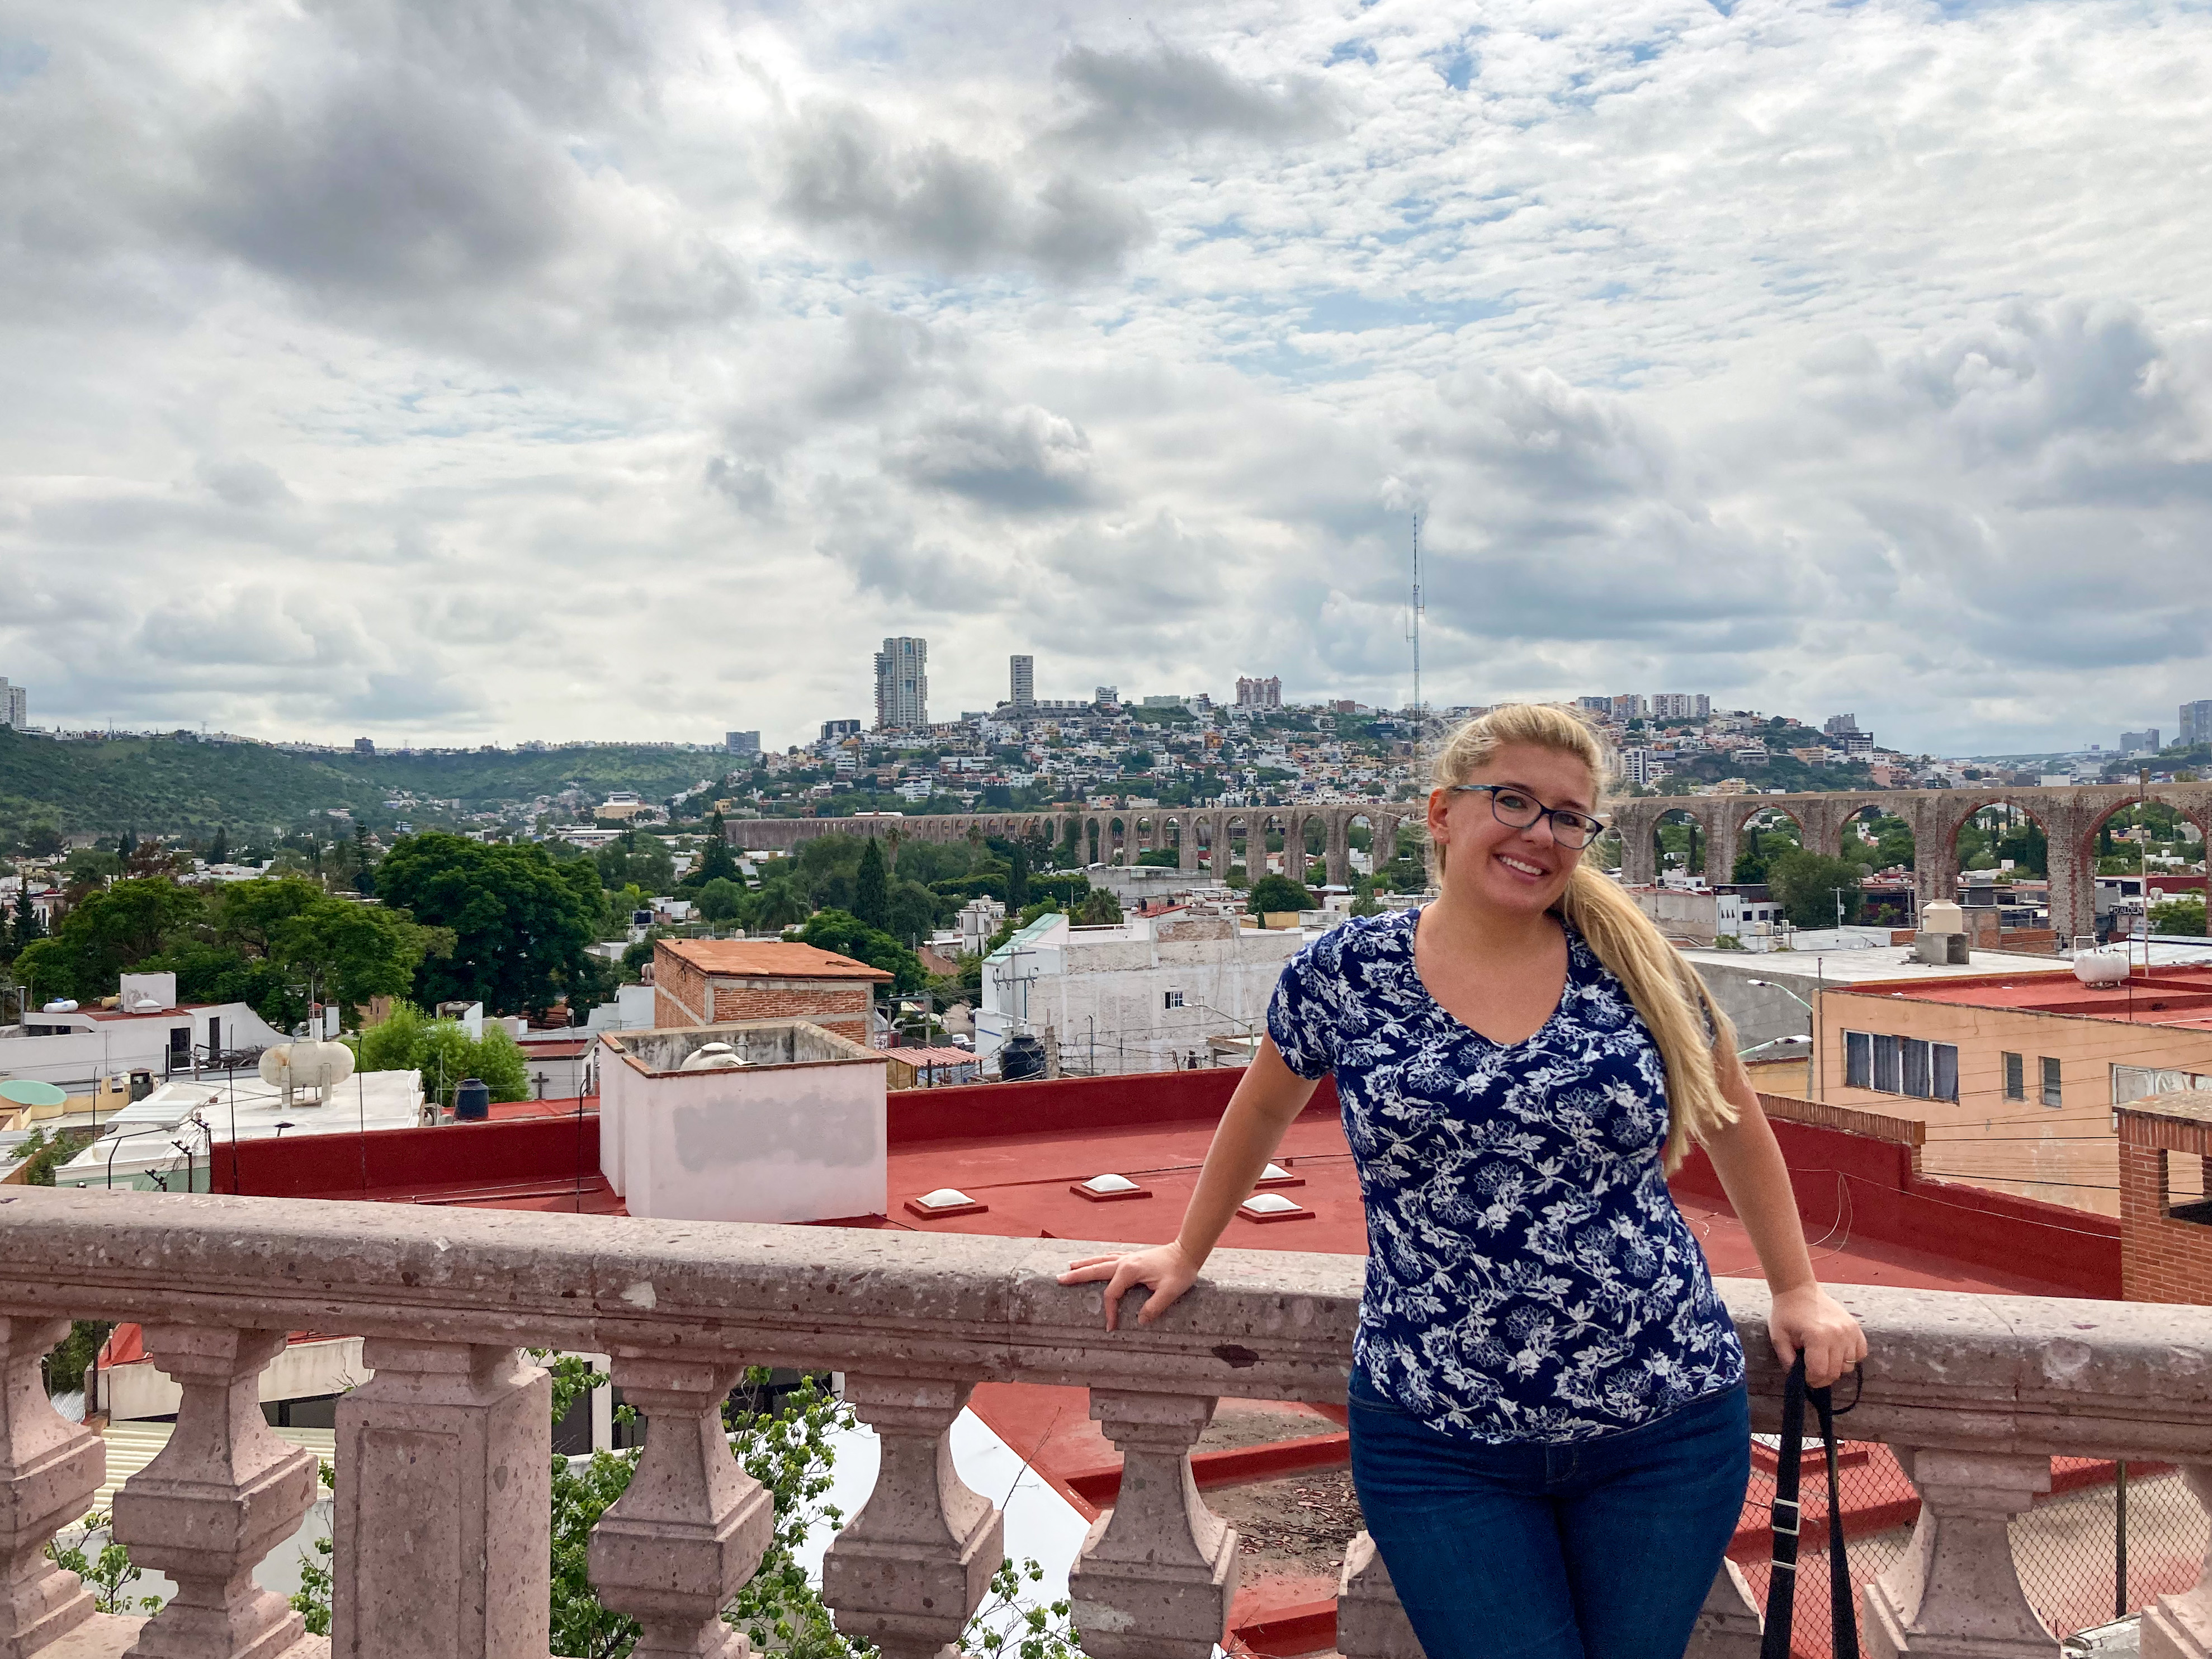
x: 1369, y: 1622
x: 2180, y: 1626
x: 1157, y: 1573
x: 915, y: 1563
x: 222, y: 1494
x: 1728, y: 1625
x: 1955, y: 1591
x: 442, y: 1534
x: 49, y: 1470
x: 693, y: 1526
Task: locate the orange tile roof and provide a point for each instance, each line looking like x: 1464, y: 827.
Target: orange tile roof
x: 768, y: 959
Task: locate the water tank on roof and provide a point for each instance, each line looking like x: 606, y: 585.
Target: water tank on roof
x: 472, y: 1101
x: 306, y: 1065
x: 1022, y: 1058
x: 1943, y: 917
x: 712, y: 1057
x: 62, y: 1006
x: 2108, y: 965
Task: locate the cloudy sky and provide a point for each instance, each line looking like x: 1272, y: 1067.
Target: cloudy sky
x: 470, y: 371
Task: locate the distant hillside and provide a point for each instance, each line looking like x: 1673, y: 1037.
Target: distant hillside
x: 480, y: 780
x: 182, y: 786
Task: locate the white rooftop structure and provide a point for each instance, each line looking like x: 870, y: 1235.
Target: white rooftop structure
x: 165, y: 1139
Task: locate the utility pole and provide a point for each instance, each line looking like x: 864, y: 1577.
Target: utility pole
x: 1413, y: 633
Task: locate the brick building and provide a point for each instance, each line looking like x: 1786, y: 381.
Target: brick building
x: 705, y: 981
x: 2166, y: 1223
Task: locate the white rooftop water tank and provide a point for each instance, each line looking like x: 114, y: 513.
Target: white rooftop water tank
x: 2108, y: 965
x: 1943, y: 917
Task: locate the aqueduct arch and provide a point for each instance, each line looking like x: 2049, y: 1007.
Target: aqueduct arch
x: 2069, y: 818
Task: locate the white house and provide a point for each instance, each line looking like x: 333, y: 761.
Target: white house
x: 1145, y: 994
x: 150, y: 1031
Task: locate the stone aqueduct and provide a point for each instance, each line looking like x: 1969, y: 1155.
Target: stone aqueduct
x: 1200, y: 837
x: 1203, y: 838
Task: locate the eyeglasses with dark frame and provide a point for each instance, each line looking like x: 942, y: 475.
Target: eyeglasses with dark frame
x: 1517, y: 809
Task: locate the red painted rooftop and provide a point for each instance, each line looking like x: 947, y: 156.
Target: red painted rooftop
x: 2157, y: 996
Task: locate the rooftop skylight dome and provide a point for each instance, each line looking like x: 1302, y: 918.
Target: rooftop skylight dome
x: 1106, y: 1189
x: 1272, y: 1206
x: 944, y: 1201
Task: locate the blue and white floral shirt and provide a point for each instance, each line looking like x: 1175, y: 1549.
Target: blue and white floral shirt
x: 1529, y: 1277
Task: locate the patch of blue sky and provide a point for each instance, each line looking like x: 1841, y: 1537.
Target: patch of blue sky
x: 594, y: 158
x: 1220, y: 230
x: 1279, y: 360
x: 1354, y: 51
x: 1341, y: 311
x: 21, y: 60
x: 1459, y: 68
x: 882, y: 45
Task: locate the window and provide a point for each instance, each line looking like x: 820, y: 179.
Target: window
x: 1916, y: 1067
x: 1946, y: 1071
x: 2015, y: 1070
x: 1904, y: 1065
x: 1858, y: 1060
x: 1171, y: 999
x: 2141, y: 1082
x: 2051, y: 1091
x: 1889, y: 1066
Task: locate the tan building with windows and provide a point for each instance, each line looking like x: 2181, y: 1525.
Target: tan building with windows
x: 2017, y: 1076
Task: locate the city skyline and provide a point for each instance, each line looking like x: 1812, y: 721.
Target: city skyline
x: 424, y: 390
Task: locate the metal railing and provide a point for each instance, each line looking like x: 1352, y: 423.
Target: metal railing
x: 441, y: 1530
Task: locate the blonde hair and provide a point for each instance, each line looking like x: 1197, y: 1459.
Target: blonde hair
x: 1688, y: 1026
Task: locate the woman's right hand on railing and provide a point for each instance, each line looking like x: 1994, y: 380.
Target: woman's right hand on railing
x: 1164, y: 1270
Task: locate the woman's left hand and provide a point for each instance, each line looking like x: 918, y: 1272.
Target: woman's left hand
x: 1809, y: 1320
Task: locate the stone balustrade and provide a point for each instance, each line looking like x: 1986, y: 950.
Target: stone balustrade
x: 441, y: 1518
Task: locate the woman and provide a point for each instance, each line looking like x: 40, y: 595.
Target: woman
x: 1550, y: 1437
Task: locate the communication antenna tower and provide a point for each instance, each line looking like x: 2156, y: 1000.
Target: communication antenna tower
x: 1413, y: 633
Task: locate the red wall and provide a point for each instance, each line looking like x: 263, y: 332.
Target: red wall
x: 1848, y: 1182
x: 498, y: 1153
x: 920, y: 1116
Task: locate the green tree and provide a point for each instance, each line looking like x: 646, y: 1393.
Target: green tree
x: 1279, y: 893
x: 27, y: 929
x: 1098, y: 908
x: 721, y: 900
x: 110, y: 932
x: 350, y: 952
x: 444, y: 1054
x: 364, y: 862
x: 872, y: 899
x: 109, y: 1575
x: 715, y: 861
x: 779, y: 904
x: 914, y: 910
x: 218, y: 850
x: 1807, y: 886
x: 2184, y: 914
x: 848, y: 936
x: 635, y: 860
x: 521, y: 925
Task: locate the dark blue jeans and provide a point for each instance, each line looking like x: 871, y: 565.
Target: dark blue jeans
x: 1602, y: 1549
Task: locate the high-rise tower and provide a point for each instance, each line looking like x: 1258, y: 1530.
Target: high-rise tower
x: 1022, y: 673
x: 901, y: 685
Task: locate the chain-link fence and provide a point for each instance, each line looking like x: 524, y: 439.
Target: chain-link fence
x: 2105, y: 1542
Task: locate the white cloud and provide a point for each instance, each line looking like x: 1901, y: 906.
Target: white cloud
x: 476, y: 371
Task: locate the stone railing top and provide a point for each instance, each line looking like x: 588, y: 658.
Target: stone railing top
x: 2029, y: 1374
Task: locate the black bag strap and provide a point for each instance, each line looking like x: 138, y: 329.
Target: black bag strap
x: 1782, y: 1588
